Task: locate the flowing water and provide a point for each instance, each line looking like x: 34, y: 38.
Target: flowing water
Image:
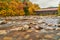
x: 55, y: 34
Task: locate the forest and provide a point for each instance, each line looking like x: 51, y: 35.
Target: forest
x: 17, y: 8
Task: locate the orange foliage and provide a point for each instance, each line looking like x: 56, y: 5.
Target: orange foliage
x: 15, y: 7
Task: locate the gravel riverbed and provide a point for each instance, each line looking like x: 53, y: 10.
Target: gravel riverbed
x: 30, y: 28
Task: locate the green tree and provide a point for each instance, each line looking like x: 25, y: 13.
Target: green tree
x: 26, y: 11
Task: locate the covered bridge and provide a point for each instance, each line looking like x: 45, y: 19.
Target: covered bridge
x: 47, y: 11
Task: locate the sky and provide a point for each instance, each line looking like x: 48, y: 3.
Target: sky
x: 46, y: 3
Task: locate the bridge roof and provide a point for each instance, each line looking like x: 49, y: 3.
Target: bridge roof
x: 47, y: 9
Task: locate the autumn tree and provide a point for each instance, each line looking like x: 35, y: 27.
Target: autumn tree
x: 59, y: 10
x: 17, y: 7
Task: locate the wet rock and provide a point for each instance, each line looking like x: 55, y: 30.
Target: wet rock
x: 58, y: 25
x: 37, y: 36
x: 9, y: 22
x: 57, y: 28
x: 29, y: 30
x: 58, y: 39
x: 18, y: 28
x: 43, y: 39
x: 7, y: 38
x: 41, y: 21
x: 43, y: 30
x: 25, y: 27
x: 37, y: 31
x: 49, y: 28
x: 27, y: 36
x: 50, y: 24
x: 38, y: 28
x: 48, y: 36
x: 3, y: 32
x: 33, y: 23
x: 13, y: 22
x: 3, y: 22
x: 58, y: 34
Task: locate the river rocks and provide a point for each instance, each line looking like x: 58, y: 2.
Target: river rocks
x: 26, y: 27
x: 50, y: 24
x: 7, y: 38
x: 3, y: 32
x: 48, y: 36
x: 9, y: 22
x: 41, y: 21
x: 3, y: 22
x: 58, y: 28
x: 27, y: 36
x: 13, y: 22
x: 31, y: 27
x: 33, y: 22
x: 18, y: 28
x: 43, y: 30
x: 38, y: 28
x: 58, y: 25
x: 58, y: 39
x: 58, y: 34
x: 29, y: 30
x: 49, y: 28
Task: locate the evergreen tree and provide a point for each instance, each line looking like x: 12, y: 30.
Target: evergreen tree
x: 26, y: 8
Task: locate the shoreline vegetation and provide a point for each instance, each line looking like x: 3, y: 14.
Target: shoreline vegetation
x: 17, y: 8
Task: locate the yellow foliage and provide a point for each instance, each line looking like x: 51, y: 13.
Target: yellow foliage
x: 22, y: 12
x: 16, y: 7
x: 3, y: 13
x: 30, y: 10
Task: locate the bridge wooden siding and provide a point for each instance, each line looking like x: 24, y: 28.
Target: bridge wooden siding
x: 47, y: 11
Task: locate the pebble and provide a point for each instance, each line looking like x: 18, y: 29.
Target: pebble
x: 48, y: 36
x: 18, y: 28
x: 50, y: 24
x: 32, y: 22
x: 29, y: 30
x: 9, y: 22
x: 35, y: 29
x: 58, y: 39
x: 38, y: 28
x: 57, y: 28
x: 3, y: 22
x: 49, y: 28
x: 3, y: 32
x: 43, y: 30
x: 37, y: 36
x: 40, y: 21
x: 14, y: 22
x: 27, y: 36
x: 58, y: 34
x: 7, y: 38
x: 26, y: 27
x: 58, y: 25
